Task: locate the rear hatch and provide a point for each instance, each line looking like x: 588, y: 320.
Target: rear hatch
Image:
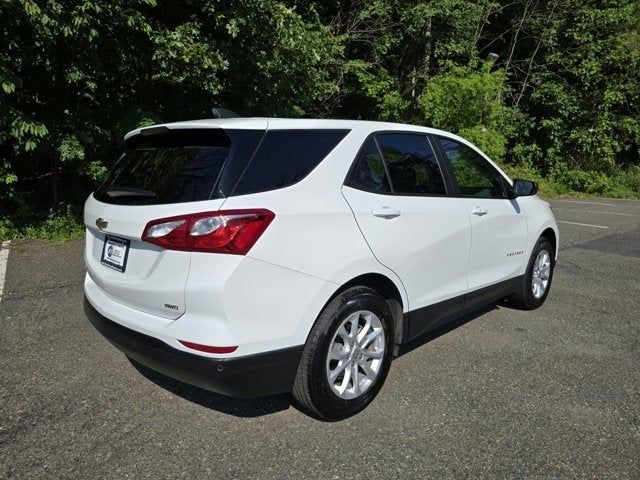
x: 164, y: 173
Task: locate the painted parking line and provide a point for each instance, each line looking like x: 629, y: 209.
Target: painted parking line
x: 596, y: 211
x: 588, y: 203
x: 4, y: 256
x: 582, y: 224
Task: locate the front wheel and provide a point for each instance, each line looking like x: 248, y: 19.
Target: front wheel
x: 347, y: 355
x: 536, y: 282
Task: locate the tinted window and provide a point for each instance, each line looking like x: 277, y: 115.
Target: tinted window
x: 411, y: 163
x: 369, y: 173
x: 474, y: 175
x: 178, y: 166
x: 243, y: 144
x: 285, y: 157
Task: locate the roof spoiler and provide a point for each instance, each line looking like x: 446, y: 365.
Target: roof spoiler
x: 223, y: 113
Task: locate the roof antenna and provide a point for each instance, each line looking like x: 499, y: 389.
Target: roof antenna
x: 223, y: 113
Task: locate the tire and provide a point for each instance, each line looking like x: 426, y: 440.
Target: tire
x: 524, y: 297
x: 312, y: 387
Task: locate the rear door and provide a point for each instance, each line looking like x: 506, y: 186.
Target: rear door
x: 399, y: 198
x: 499, y: 226
x: 163, y: 173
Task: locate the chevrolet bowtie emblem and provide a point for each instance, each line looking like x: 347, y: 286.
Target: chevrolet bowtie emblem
x: 101, y: 224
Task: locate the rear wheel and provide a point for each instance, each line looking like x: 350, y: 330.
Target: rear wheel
x: 347, y: 355
x: 536, y: 282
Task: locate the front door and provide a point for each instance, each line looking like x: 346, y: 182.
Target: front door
x: 498, y: 224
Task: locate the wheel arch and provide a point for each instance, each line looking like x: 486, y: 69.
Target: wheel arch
x: 551, y: 235
x: 388, y: 290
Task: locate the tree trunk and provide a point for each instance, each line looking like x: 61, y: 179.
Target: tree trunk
x: 54, y: 179
x: 531, y: 60
x: 516, y: 34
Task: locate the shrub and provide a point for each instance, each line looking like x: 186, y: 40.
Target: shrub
x: 468, y: 100
x: 65, y: 224
x: 623, y: 184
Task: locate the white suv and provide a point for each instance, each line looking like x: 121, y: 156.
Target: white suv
x: 259, y: 256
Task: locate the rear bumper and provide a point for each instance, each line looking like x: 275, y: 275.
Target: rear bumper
x: 256, y: 375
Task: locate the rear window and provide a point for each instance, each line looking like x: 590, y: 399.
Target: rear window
x: 191, y: 165
x: 179, y: 166
x: 285, y: 157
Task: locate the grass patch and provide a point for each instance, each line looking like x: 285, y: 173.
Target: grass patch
x: 581, y: 184
x: 55, y: 228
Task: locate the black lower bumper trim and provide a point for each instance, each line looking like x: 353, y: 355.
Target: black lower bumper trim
x: 257, y: 375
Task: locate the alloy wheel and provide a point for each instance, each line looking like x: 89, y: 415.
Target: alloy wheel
x: 541, y: 274
x: 355, y: 355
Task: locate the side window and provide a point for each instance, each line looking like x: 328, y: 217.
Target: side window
x: 369, y: 172
x: 474, y: 175
x: 285, y: 157
x: 412, y: 165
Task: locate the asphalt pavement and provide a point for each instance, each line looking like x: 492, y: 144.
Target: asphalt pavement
x: 552, y: 393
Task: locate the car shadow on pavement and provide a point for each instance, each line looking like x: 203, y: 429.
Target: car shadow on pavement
x: 239, y: 407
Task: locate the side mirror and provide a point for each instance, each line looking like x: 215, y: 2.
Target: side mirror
x: 523, y: 188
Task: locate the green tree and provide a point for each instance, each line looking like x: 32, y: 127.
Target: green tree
x: 562, y: 100
x: 468, y: 100
x: 76, y: 76
x: 574, y: 69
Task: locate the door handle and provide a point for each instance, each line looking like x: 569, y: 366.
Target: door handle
x: 386, y: 212
x: 479, y: 211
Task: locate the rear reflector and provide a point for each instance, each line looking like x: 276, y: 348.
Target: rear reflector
x: 225, y: 231
x: 208, y: 348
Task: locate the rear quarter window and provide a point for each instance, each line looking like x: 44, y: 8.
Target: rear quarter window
x: 285, y: 157
x: 369, y: 172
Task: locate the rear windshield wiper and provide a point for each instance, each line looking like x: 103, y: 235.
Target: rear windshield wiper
x: 129, y: 192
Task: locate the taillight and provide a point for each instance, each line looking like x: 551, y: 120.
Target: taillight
x: 225, y: 231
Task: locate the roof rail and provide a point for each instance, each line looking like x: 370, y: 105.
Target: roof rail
x: 223, y: 113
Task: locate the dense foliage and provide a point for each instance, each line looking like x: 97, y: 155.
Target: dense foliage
x: 550, y: 88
